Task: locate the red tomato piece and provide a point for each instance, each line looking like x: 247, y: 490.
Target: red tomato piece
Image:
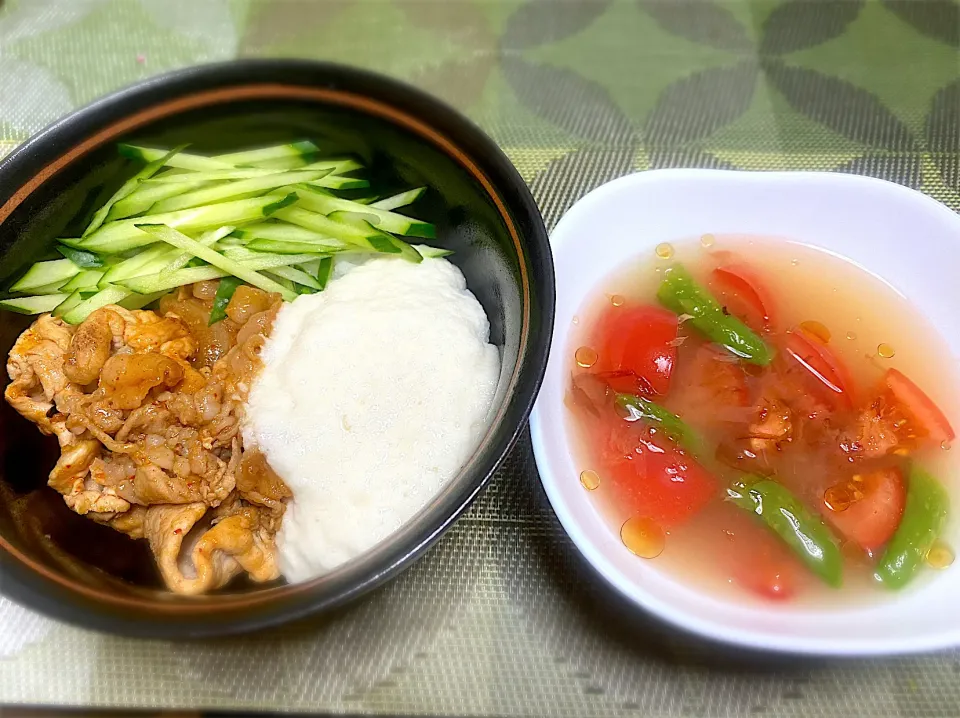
x: 900, y: 417
x: 756, y: 559
x: 641, y: 340
x: 828, y: 375
x: 651, y: 477
x: 768, y: 573
x: 867, y: 509
x: 744, y: 295
x: 926, y: 415
x: 622, y: 382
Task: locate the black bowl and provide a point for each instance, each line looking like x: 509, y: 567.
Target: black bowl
x: 59, y: 563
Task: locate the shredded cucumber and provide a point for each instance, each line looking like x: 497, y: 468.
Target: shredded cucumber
x: 182, y: 241
x: 270, y: 217
x: 128, y: 188
x: 106, y: 296
x: 265, y: 154
x: 46, y: 273
x: 33, y: 305
x: 400, y: 200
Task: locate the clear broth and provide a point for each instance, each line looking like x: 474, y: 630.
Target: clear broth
x: 860, y: 311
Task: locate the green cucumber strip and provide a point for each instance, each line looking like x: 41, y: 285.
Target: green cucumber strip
x: 33, y: 305
x: 297, y: 276
x: 87, y: 279
x: 80, y: 257
x: 428, y: 252
x: 182, y: 160
x: 281, y: 282
x: 67, y: 304
x: 207, y: 240
x: 362, y: 236
x: 370, y: 199
x: 230, y: 190
x: 45, y: 273
x: 145, y: 197
x: 213, y: 176
x: 337, y: 166
x: 311, y: 267
x: 338, y: 182
x: 149, y: 261
x: 324, y: 272
x: 120, y: 236
x: 318, y: 201
x: 266, y: 154
x: 400, y: 200
x: 225, y: 291
x: 286, y: 163
x: 190, y: 275
x: 183, y: 242
x: 380, y: 241
x: 277, y: 247
x: 107, y: 295
x: 309, y: 162
x: 52, y: 288
x: 283, y: 232
x: 128, y: 188
x: 139, y: 301
x: 248, y: 256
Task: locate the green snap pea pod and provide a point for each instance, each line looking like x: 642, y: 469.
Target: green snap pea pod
x: 802, y: 531
x: 923, y: 518
x: 681, y: 294
x: 637, y: 407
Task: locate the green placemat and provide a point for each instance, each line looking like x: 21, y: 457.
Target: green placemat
x: 502, y: 617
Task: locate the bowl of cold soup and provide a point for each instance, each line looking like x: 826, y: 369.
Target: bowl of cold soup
x: 269, y: 328
x: 748, y: 420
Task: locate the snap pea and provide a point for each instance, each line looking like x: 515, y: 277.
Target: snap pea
x: 802, y: 531
x: 923, y: 518
x: 681, y: 294
x: 638, y: 407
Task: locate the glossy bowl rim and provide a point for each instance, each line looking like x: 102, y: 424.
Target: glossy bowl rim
x: 518, y: 210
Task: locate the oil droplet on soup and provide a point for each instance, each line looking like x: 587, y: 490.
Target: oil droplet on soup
x: 590, y: 480
x: 817, y: 329
x: 586, y: 357
x: 643, y: 537
x: 664, y: 250
x: 940, y: 555
x: 647, y: 487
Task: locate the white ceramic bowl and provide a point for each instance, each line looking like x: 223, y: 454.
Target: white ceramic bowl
x: 900, y: 235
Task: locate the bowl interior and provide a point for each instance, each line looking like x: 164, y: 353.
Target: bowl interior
x: 899, y: 235
x: 472, y: 218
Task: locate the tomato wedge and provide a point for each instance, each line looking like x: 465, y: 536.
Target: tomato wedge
x: 769, y: 571
x: 926, y: 415
x: 867, y: 509
x: 743, y: 294
x: 828, y: 376
x: 641, y: 340
x: 651, y: 477
x: 751, y: 556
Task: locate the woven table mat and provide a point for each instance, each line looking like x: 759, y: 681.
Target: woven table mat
x: 501, y: 617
